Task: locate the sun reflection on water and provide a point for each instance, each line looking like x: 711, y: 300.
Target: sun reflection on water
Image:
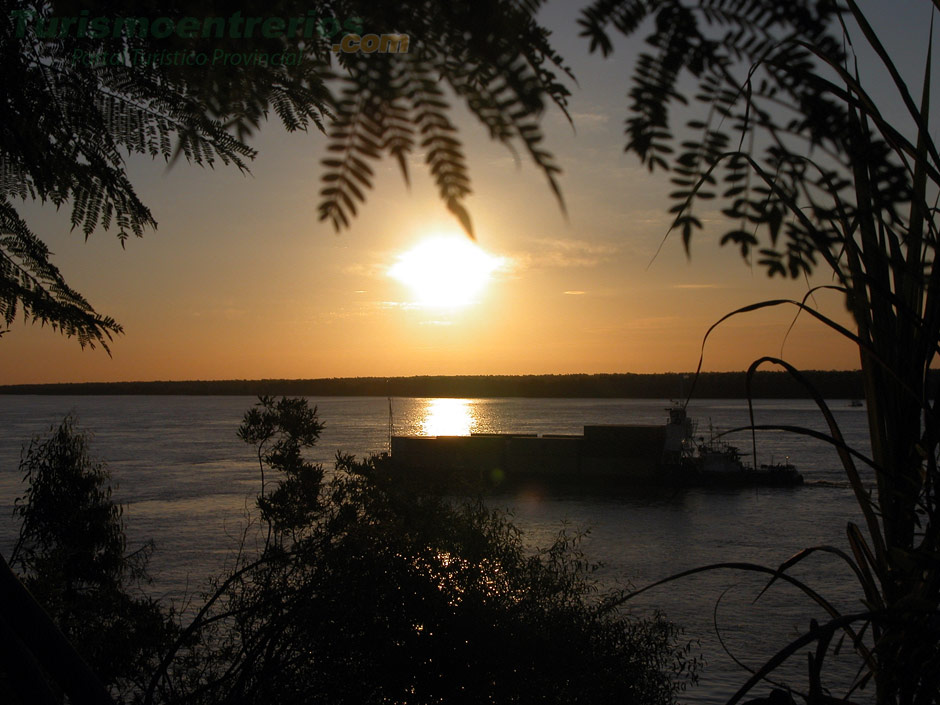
x: 448, y: 417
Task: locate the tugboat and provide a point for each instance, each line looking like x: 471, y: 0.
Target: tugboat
x: 715, y: 462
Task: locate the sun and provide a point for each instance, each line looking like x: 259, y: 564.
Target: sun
x: 445, y: 271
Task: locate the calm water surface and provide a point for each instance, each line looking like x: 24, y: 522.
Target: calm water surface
x: 186, y: 481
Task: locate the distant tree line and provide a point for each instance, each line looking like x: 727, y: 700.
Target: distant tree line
x: 832, y: 384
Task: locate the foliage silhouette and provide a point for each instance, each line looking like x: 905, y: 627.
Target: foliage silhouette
x: 70, y: 123
x: 280, y: 430
x: 389, y: 595
x: 71, y: 554
x: 814, y: 175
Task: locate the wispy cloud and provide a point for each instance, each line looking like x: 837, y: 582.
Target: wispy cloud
x: 697, y: 286
x: 556, y: 253
x: 229, y: 313
x: 652, y: 322
x: 575, y: 293
x: 589, y: 119
x: 634, y: 325
x: 365, y: 269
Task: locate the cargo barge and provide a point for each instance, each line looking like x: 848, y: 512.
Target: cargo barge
x: 602, y: 456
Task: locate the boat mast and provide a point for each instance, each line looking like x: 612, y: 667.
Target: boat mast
x: 391, y: 425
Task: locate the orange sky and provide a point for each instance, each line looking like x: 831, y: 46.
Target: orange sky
x: 242, y: 281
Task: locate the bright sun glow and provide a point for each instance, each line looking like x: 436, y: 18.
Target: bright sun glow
x: 445, y: 271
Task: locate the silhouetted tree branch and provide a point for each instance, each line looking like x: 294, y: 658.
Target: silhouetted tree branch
x: 78, y: 101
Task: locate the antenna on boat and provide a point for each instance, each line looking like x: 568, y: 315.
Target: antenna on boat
x: 391, y: 425
x: 683, y: 401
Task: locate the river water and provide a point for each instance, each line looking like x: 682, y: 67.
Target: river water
x: 186, y: 482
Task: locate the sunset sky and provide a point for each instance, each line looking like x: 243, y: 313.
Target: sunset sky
x: 242, y: 281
